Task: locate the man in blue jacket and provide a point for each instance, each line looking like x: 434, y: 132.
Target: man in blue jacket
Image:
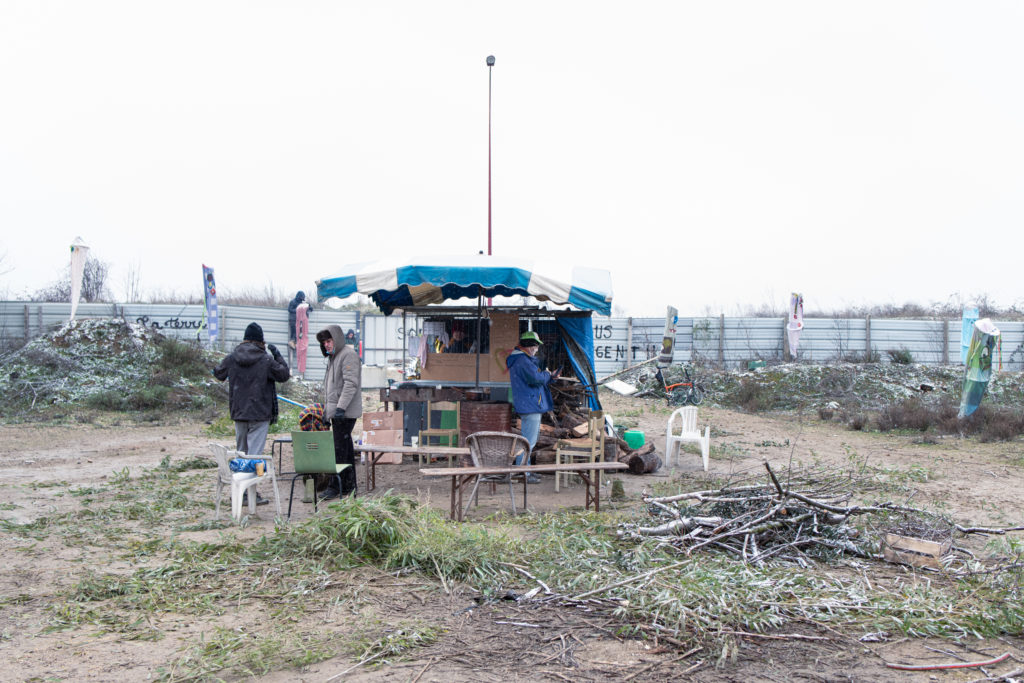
x: 530, y: 394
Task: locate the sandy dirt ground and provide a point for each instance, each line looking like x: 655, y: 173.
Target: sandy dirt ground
x: 977, y: 483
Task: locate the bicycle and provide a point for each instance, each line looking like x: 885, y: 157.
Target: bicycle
x: 689, y: 391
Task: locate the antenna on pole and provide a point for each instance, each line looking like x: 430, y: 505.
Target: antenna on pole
x: 490, y: 66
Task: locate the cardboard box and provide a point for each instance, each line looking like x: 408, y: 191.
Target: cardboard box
x: 504, y: 337
x: 915, y: 551
x: 383, y: 420
x: 453, y: 367
x: 385, y: 437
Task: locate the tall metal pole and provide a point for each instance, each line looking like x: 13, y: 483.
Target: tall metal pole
x: 490, y: 66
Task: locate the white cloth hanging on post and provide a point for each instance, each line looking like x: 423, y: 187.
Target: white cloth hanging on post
x: 795, y: 322
x: 79, y: 253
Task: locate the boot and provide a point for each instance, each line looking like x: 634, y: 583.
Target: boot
x: 260, y: 500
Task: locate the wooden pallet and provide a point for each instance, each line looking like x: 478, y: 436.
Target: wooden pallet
x: 915, y: 551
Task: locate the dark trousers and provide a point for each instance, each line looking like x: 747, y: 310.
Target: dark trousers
x: 344, y: 452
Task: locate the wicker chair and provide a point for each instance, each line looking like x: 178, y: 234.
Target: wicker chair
x: 495, y: 449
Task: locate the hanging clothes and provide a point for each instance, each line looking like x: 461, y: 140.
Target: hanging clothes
x: 437, y: 335
x: 412, y: 347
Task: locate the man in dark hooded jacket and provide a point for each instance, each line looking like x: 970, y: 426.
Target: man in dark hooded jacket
x: 300, y: 296
x: 251, y: 372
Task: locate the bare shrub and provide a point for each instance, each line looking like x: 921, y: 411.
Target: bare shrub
x: 753, y: 397
x: 996, y: 423
x: 133, y: 283
x: 181, y: 358
x: 988, y: 422
x: 946, y: 417
x: 900, y: 356
x: 909, y: 414
x: 861, y: 357
x: 952, y: 308
x: 857, y: 421
x: 94, y: 284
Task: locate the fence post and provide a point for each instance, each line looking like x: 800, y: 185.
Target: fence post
x: 786, y: 354
x: 222, y: 325
x: 867, y: 338
x: 721, y: 338
x: 26, y: 324
x: 629, y: 342
x: 945, y: 341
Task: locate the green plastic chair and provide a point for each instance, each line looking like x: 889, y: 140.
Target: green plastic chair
x: 313, y: 453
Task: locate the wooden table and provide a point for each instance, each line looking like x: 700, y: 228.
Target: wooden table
x: 375, y: 452
x: 589, y: 472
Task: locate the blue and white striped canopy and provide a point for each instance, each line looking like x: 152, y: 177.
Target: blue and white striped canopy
x: 395, y: 284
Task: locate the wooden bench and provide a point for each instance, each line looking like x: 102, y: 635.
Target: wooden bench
x: 589, y: 472
x: 374, y: 452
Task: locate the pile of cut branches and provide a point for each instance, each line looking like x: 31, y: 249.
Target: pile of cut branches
x: 808, y: 517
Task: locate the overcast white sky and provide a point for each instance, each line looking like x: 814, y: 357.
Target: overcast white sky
x: 711, y: 155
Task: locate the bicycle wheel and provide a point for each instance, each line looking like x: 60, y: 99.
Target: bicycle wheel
x: 696, y: 395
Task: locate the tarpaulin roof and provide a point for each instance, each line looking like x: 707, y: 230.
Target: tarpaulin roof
x: 392, y: 283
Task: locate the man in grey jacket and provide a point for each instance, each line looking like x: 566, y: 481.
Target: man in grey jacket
x: 343, y: 402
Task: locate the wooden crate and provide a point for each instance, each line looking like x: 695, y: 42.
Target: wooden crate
x: 915, y: 551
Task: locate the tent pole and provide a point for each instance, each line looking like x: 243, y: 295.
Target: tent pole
x: 479, y: 342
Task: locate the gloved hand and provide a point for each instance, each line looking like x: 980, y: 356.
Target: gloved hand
x: 273, y: 350
x: 339, y: 414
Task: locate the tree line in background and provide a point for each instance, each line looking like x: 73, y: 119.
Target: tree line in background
x: 951, y: 308
x: 96, y: 289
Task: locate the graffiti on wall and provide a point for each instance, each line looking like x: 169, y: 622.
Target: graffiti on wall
x: 171, y: 323
x: 606, y: 348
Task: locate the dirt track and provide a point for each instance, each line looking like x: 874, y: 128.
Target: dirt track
x: 977, y: 483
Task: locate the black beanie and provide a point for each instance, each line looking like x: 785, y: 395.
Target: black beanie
x: 253, y: 333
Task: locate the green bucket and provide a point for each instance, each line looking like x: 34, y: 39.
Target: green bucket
x: 634, y: 438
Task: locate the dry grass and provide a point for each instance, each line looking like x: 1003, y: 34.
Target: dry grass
x: 988, y: 423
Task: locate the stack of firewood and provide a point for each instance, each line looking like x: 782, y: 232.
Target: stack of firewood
x: 568, y: 420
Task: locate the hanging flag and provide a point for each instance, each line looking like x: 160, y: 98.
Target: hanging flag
x: 79, y: 252
x: 210, y: 294
x: 970, y: 316
x: 668, y: 341
x: 795, y: 323
x: 979, y: 366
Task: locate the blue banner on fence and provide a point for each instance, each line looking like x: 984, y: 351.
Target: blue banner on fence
x: 210, y: 294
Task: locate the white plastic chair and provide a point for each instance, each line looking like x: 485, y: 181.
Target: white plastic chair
x: 688, y: 432
x: 240, y: 483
